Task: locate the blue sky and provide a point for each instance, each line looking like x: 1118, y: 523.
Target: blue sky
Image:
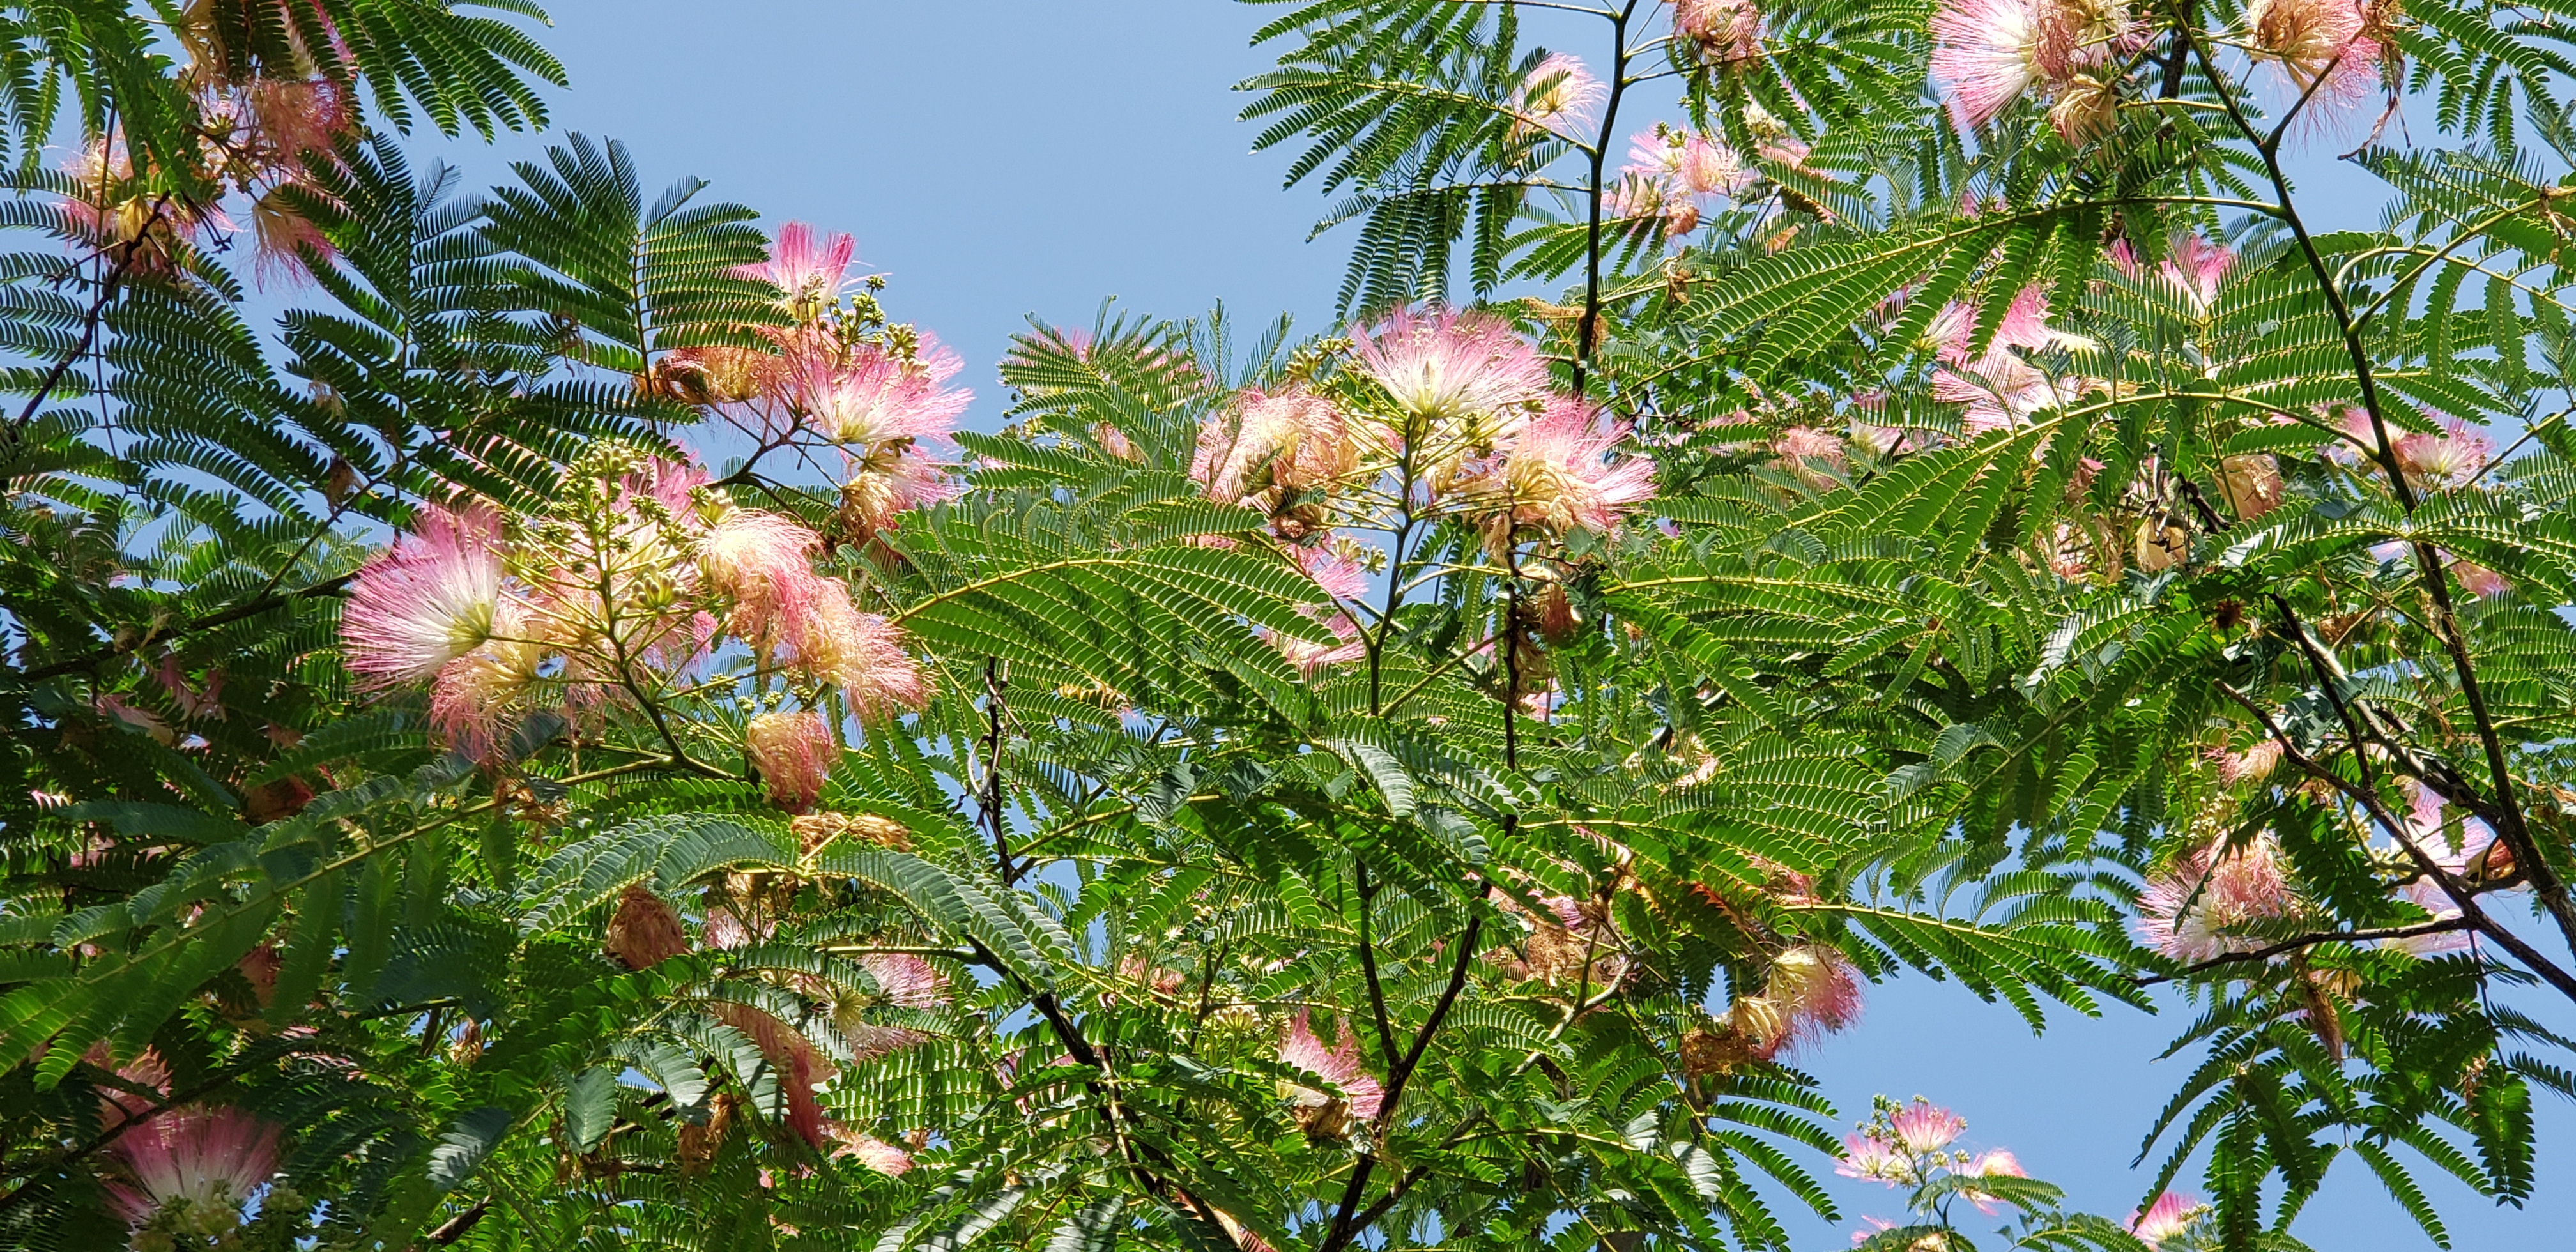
x: 1000, y: 158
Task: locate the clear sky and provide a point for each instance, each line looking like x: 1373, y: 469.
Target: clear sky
x: 1001, y: 158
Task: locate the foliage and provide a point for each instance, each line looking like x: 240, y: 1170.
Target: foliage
x: 1421, y: 786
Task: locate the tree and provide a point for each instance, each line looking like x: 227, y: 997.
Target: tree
x: 1420, y: 785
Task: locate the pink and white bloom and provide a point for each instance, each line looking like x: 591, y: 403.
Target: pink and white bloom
x: 793, y: 753
x: 764, y: 563
x: 205, y: 1163
x: 2450, y: 459
x: 1725, y: 30
x: 1986, y: 54
x: 1923, y: 1127
x: 1875, y: 1160
x: 1815, y: 990
x: 2169, y: 1215
x: 1561, y: 475
x: 429, y: 599
x: 872, y: 396
x: 1291, y: 439
x: 906, y: 981
x: 1310, y: 657
x: 1992, y: 1163
x: 863, y: 655
x: 2309, y: 39
x: 1999, y: 388
x: 1443, y: 366
x: 1712, y: 168
x: 1559, y: 95
x: 806, y: 266
x: 1338, y: 1065
x: 2253, y: 764
x: 1336, y: 575
x: 2187, y: 912
x: 869, y: 1151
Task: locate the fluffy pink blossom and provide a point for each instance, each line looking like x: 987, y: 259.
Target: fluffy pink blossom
x: 1292, y: 439
x: 472, y: 701
x: 2479, y: 581
x: 1712, y: 168
x: 2450, y: 459
x: 794, y: 754
x: 1311, y: 657
x: 2187, y: 911
x: 427, y: 600
x: 209, y: 1160
x: 906, y: 981
x: 1338, y: 576
x: 2254, y: 764
x: 1338, y: 1065
x: 1725, y: 30
x: 1812, y: 454
x: 870, y: 1151
x: 1815, y: 991
x: 808, y: 267
x: 2170, y: 1214
x: 1999, y: 388
x: 1923, y: 1127
x: 1992, y: 1163
x: 764, y: 563
x: 2311, y: 39
x: 1560, y: 474
x: 1874, y: 1159
x: 1872, y: 1227
x: 1447, y: 366
x: 870, y: 396
x: 1560, y: 94
x: 862, y: 654
x: 890, y: 481
x: 1986, y: 55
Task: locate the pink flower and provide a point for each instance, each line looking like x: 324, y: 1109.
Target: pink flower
x: 1876, y: 1226
x: 2306, y: 39
x: 429, y: 599
x: 2254, y: 764
x: 2479, y: 581
x: 808, y: 269
x: 1816, y: 991
x: 2186, y: 912
x: 906, y: 981
x: 869, y: 1151
x: 1337, y: 576
x: 209, y: 1160
x: 1810, y: 453
x: 888, y: 482
x: 1446, y: 366
x: 2451, y: 459
x: 1992, y: 1163
x: 1294, y: 439
x: 793, y: 753
x: 1986, y: 54
x: 1923, y: 1127
x: 872, y: 396
x: 862, y: 654
x: 1725, y: 30
x: 471, y: 699
x: 1560, y: 94
x: 2001, y: 389
x: 1874, y: 1159
x: 2195, y: 269
x: 1338, y: 1065
x: 763, y: 562
x: 1711, y: 168
x: 2170, y: 1214
x: 1560, y: 475
x: 1311, y: 657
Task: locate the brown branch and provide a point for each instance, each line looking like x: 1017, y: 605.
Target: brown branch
x: 1345, y: 1227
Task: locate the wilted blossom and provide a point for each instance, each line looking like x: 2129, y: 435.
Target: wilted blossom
x: 645, y: 930
x: 2170, y: 1214
x: 2252, y: 483
x: 793, y: 753
x: 1812, y: 991
x: 868, y: 1150
x: 192, y: 1169
x: 2478, y: 580
x: 1445, y: 368
x: 2253, y: 764
x: 427, y: 600
x: 1559, y: 95
x: 2187, y: 911
x: 1923, y: 1127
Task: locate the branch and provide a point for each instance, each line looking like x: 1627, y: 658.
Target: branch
x: 2435, y: 927
x: 240, y: 612
x: 1346, y: 1227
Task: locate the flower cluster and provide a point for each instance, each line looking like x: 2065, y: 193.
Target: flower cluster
x: 1672, y: 175
x: 622, y: 595
x: 1724, y: 31
x: 1440, y: 413
x: 2204, y: 904
x: 837, y: 373
x: 1907, y: 1146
